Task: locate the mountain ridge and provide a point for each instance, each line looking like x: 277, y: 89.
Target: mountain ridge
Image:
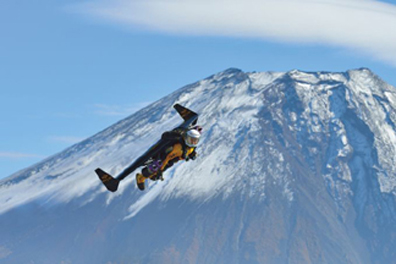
x: 283, y: 155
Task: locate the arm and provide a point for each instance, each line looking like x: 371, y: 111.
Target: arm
x: 174, y: 135
x: 192, y: 156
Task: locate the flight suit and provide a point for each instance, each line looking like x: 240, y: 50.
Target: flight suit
x: 177, y: 150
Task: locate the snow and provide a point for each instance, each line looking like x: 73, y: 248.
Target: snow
x: 229, y: 103
x: 145, y: 200
x: 286, y: 147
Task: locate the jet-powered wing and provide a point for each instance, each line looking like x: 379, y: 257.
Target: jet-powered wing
x: 190, y: 118
x: 111, y: 183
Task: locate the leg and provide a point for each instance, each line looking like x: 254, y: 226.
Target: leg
x: 146, y: 173
x: 140, y: 179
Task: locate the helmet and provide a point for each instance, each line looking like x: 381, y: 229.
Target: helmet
x: 192, y: 138
x: 198, y: 128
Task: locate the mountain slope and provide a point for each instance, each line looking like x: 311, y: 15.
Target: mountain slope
x: 294, y: 167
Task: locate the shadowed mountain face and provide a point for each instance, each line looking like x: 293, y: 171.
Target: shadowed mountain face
x: 293, y: 168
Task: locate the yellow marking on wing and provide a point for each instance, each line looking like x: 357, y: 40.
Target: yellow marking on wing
x: 106, y: 178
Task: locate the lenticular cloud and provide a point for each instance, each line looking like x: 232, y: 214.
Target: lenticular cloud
x: 367, y: 26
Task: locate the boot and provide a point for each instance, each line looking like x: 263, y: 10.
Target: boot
x: 140, y: 179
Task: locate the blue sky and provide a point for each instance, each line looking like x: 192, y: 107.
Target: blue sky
x: 69, y: 69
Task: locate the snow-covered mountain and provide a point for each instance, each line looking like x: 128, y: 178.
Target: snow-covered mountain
x: 294, y: 167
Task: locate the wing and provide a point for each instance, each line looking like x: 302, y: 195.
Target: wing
x: 190, y: 119
x: 112, y: 183
x: 152, y: 151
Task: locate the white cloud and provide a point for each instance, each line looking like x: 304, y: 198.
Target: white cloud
x: 66, y: 139
x: 19, y: 155
x: 364, y: 25
x: 118, y: 110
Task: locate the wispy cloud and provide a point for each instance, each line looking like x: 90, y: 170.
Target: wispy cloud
x: 19, y: 155
x: 66, y: 139
x: 364, y: 25
x: 67, y: 115
x: 118, y: 110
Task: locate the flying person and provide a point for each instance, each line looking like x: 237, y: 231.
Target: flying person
x: 181, y: 146
x: 175, y: 145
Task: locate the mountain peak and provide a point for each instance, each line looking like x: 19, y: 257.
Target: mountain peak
x: 228, y: 73
x: 303, y: 152
x: 232, y: 70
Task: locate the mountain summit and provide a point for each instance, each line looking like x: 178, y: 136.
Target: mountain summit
x: 295, y: 167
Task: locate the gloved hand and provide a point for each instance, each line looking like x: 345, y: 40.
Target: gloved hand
x: 193, y: 155
x: 158, y: 176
